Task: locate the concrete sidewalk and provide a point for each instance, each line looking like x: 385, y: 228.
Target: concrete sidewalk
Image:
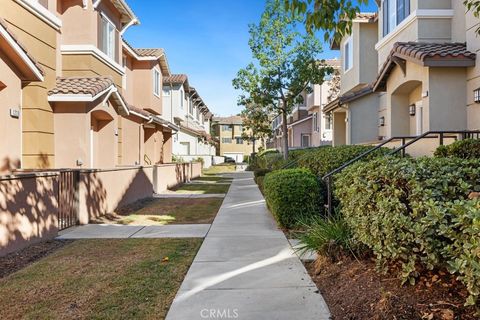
x: 246, y: 269
x: 115, y: 231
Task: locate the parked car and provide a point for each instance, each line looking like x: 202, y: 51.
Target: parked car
x: 229, y: 160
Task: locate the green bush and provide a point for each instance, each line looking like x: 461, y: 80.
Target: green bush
x: 292, y: 195
x: 296, y: 154
x: 327, y: 159
x: 465, y: 149
x: 412, y: 212
x: 267, y: 151
x: 259, y: 181
x: 260, y: 173
x: 330, y: 237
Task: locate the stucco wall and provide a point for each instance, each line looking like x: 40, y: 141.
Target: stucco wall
x: 362, y: 120
x: 28, y: 210
x: 10, y: 128
x: 41, y: 41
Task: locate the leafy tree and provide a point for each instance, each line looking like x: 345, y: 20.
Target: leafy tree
x: 285, y: 64
x: 256, y: 124
x: 335, y: 17
x: 335, y: 84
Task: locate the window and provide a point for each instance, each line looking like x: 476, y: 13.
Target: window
x: 315, y: 122
x: 226, y: 127
x: 240, y: 128
x: 394, y: 12
x: 305, y: 140
x: 166, y: 91
x: 191, y: 107
x: 226, y: 140
x: 156, y: 82
x: 108, y: 37
x: 239, y: 140
x: 348, y: 55
x: 182, y: 98
x: 328, y: 122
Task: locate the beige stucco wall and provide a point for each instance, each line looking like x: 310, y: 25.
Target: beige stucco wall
x: 339, y: 128
x: 246, y: 148
x: 86, y: 65
x: 41, y: 41
x: 143, y: 96
x: 132, y: 141
x: 296, y: 132
x: 10, y: 128
x: 28, y: 211
x: 362, y: 120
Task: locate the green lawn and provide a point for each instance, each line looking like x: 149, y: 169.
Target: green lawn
x: 213, y: 179
x: 206, y: 188
x: 165, y: 211
x: 219, y: 169
x: 100, y: 279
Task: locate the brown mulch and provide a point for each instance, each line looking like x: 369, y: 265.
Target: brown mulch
x: 354, y: 290
x: 18, y: 260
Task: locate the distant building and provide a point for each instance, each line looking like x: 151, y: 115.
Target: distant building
x: 228, y: 131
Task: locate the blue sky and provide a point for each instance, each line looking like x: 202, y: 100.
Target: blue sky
x: 206, y: 39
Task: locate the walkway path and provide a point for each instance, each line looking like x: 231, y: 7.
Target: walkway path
x: 246, y: 268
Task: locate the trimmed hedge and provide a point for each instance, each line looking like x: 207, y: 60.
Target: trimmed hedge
x: 465, y: 149
x: 293, y: 195
x: 416, y: 212
x: 296, y: 154
x: 326, y: 159
x: 260, y: 173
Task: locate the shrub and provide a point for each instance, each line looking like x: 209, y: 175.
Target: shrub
x: 326, y: 159
x: 409, y: 211
x: 267, y: 151
x: 465, y: 149
x: 272, y: 161
x: 259, y: 181
x: 260, y: 173
x: 296, y: 154
x: 292, y: 195
x: 330, y: 237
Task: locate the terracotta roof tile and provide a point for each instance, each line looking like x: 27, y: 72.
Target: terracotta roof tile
x: 35, y: 62
x: 81, y: 85
x: 150, y: 52
x: 228, y: 120
x: 370, y: 16
x: 176, y: 79
x: 421, y: 50
x: 140, y: 111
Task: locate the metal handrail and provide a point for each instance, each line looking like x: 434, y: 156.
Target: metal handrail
x: 465, y: 133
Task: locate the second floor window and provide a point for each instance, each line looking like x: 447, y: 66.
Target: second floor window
x: 348, y: 55
x: 156, y: 82
x: 108, y: 38
x: 239, y: 140
x: 182, y: 98
x: 315, y: 122
x: 226, y: 140
x: 328, y: 122
x: 226, y: 128
x: 394, y: 12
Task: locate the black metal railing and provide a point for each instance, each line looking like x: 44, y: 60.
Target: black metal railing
x: 440, y: 135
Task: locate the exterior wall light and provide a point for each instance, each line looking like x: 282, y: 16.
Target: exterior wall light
x: 476, y: 95
x: 381, y: 122
x: 412, y: 109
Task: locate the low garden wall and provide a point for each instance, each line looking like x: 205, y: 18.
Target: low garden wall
x: 29, y: 202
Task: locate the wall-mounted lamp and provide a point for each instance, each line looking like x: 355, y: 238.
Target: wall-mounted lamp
x: 412, y: 109
x: 476, y: 95
x: 381, y: 122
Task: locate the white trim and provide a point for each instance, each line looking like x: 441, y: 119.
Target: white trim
x: 136, y: 56
x: 79, y: 97
x: 350, y: 61
x: 38, y: 10
x: 420, y: 13
x: 156, y: 70
x: 128, y: 25
x: 140, y: 115
x: 119, y: 97
x: 21, y: 53
x: 299, y: 121
x: 94, y: 51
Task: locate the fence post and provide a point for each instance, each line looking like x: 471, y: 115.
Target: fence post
x: 403, y: 150
x: 441, y: 138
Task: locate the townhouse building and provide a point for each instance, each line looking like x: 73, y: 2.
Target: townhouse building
x: 426, y: 75
x: 76, y: 95
x: 185, y: 108
x: 307, y: 125
x: 230, y: 134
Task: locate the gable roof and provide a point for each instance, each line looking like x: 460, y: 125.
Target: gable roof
x: 30, y: 68
x: 177, y: 79
x: 361, y: 17
x: 228, y: 120
x: 127, y: 15
x: 149, y: 54
x: 87, y: 89
x: 426, y: 54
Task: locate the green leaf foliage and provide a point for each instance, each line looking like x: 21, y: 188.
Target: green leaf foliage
x: 465, y: 149
x: 416, y: 213
x: 292, y: 195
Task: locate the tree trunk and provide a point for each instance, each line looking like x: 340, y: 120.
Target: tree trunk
x: 253, y: 142
x: 285, y: 135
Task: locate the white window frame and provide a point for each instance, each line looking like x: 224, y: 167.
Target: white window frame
x: 109, y: 37
x: 348, y: 55
x: 315, y: 122
x: 390, y: 11
x: 156, y: 82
